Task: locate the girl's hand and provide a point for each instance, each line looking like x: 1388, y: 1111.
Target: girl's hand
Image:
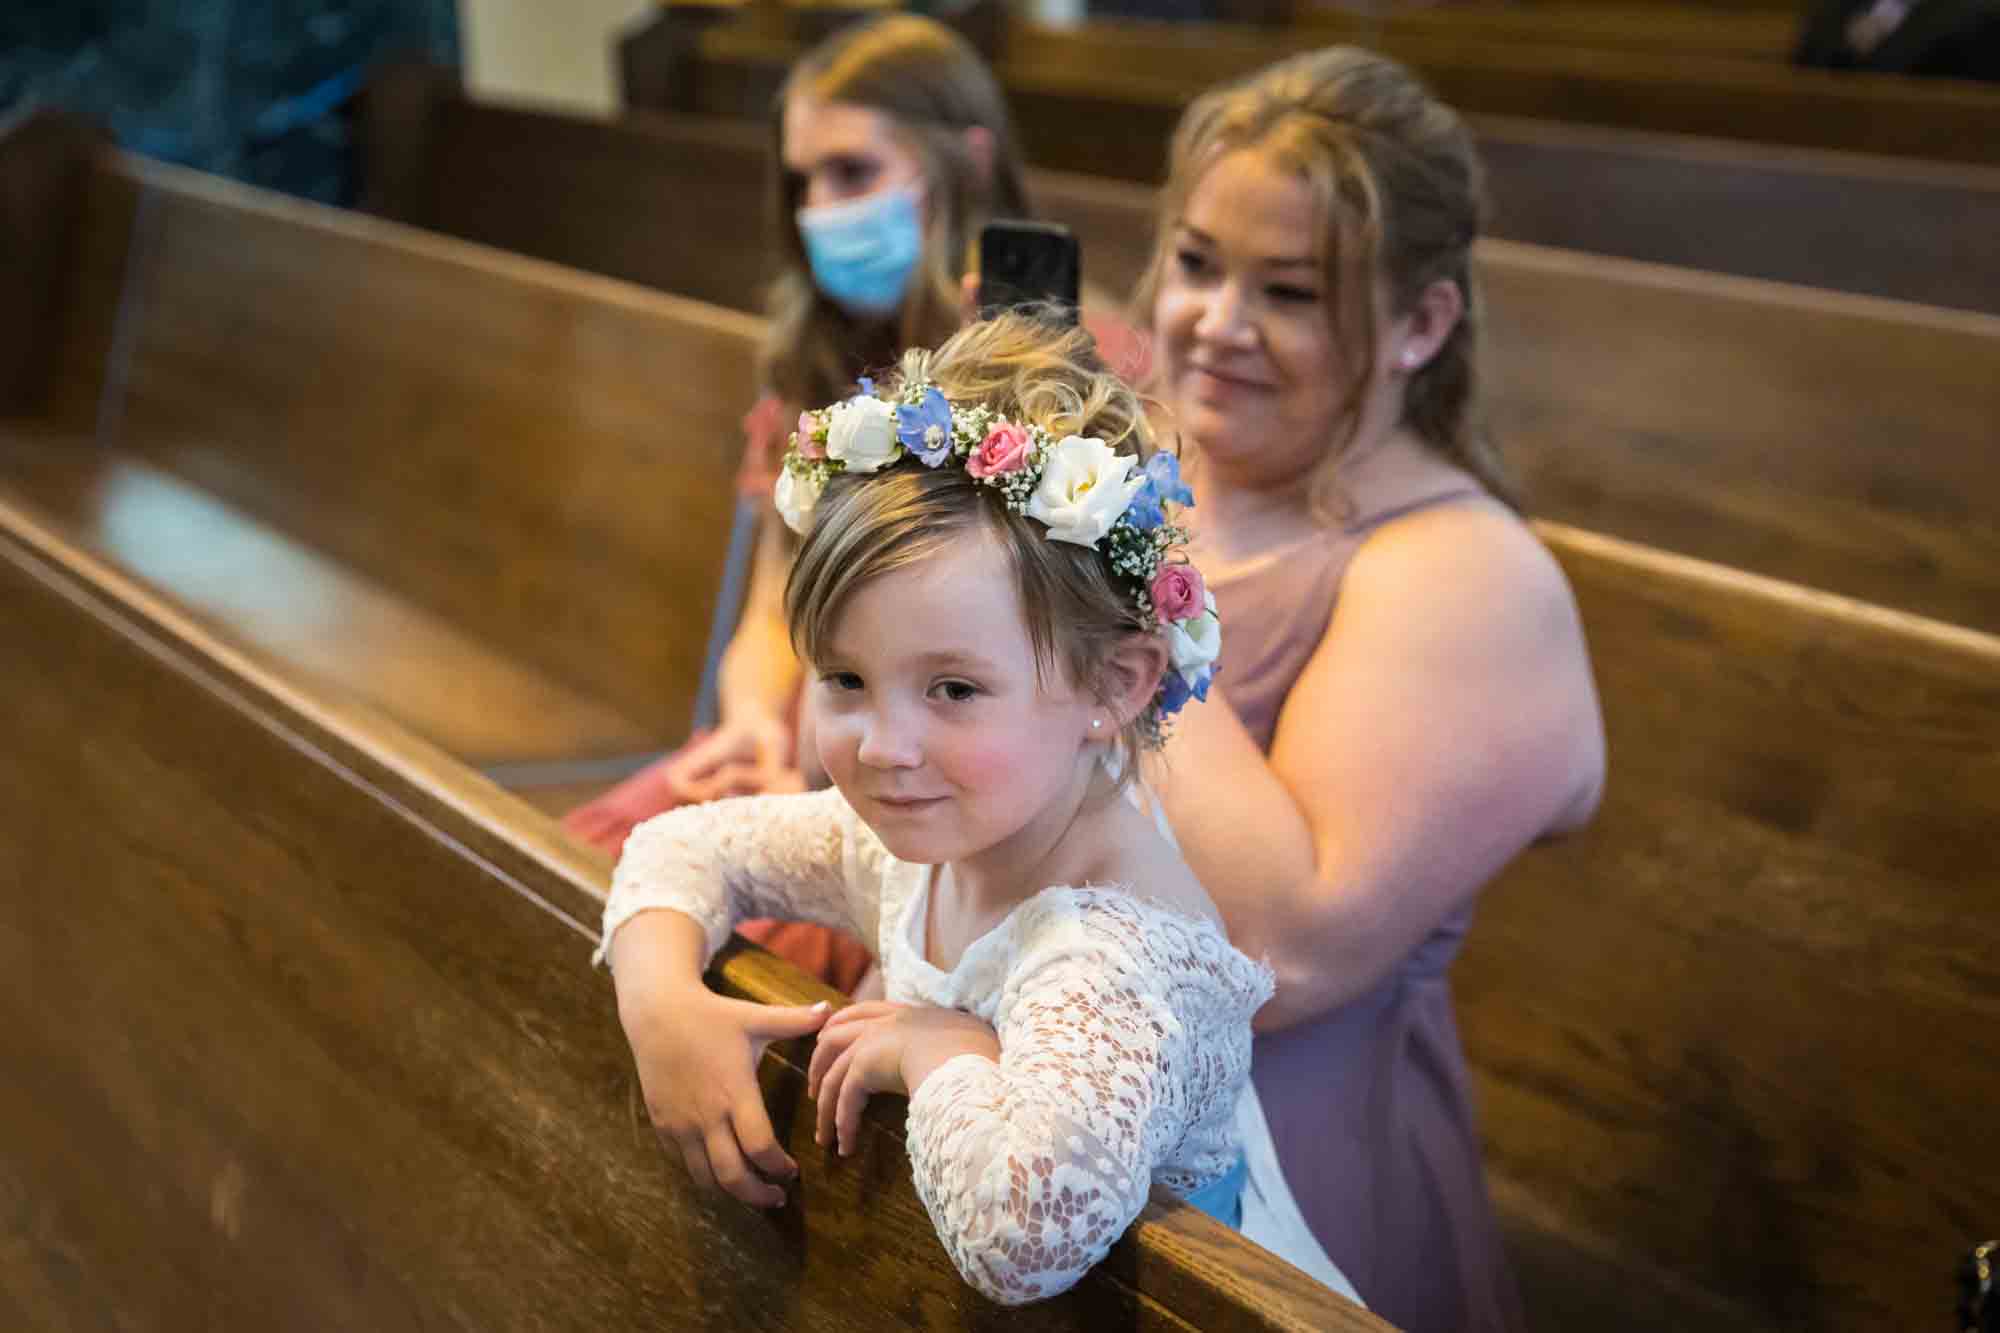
x: 883, y: 1047
x: 745, y: 758
x: 697, y: 1054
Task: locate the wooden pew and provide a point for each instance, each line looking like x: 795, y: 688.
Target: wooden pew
x: 301, y: 1034
x: 1103, y: 97
x: 1794, y: 848
x: 498, y: 508
x: 1745, y: 1030
x: 1844, y: 221
x: 1836, y: 441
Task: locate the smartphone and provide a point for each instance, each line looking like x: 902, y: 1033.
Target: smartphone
x: 1029, y: 263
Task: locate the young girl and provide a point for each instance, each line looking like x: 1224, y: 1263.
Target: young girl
x: 996, y: 622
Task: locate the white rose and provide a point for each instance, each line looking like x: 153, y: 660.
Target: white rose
x: 795, y: 497
x: 1083, y: 490
x: 1195, y: 643
x: 862, y: 433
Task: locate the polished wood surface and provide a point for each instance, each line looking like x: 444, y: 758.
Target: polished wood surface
x: 301, y: 1034
x: 540, y: 457
x: 1764, y: 36
x: 1748, y: 1023
x: 603, y: 200
x: 1103, y: 97
x: 1851, y: 222
x: 67, y: 233
x: 322, y: 621
x: 42, y: 176
x: 1835, y: 441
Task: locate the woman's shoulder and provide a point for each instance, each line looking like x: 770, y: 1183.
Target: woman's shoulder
x: 1473, y: 553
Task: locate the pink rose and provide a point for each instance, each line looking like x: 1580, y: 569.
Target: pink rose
x: 808, y: 449
x: 1178, y: 593
x: 1004, y: 450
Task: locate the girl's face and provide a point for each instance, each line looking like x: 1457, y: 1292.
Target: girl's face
x: 932, y: 722
x: 1253, y: 370
x: 841, y: 152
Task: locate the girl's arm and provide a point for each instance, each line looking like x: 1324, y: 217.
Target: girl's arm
x: 1033, y: 1166
x: 795, y: 857
x: 685, y: 879
x: 1447, y: 719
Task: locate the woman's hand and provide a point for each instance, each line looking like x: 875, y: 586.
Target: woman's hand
x: 697, y: 1054
x: 739, y: 758
x: 883, y: 1047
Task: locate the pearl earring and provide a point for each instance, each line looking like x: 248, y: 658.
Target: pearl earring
x: 1096, y: 722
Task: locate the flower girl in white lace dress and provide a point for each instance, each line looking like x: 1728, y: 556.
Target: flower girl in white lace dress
x: 991, y: 601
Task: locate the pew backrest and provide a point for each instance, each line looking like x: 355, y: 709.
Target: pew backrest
x: 302, y: 1034
x: 1744, y: 1030
x: 540, y: 456
x: 1103, y: 97
x: 1832, y: 440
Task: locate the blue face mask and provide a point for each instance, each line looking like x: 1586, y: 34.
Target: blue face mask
x: 863, y: 252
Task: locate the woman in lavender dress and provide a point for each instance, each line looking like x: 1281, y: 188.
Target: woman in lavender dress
x: 1411, y: 698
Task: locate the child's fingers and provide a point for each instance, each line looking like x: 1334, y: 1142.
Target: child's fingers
x: 733, y: 1174
x: 753, y: 1135
x: 861, y: 1011
x: 832, y: 1041
x: 780, y: 1022
x: 829, y: 1092
x: 696, y: 1156
x: 847, y: 1107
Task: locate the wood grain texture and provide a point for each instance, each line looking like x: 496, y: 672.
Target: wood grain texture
x: 1669, y: 91
x: 1746, y: 1023
x: 1835, y: 441
x: 540, y: 457
x: 64, y: 236
x: 1764, y: 36
x: 324, y: 622
x: 305, y: 1038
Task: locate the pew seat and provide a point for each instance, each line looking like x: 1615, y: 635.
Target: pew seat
x: 330, y: 624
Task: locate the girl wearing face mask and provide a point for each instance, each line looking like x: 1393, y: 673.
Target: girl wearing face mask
x: 891, y: 147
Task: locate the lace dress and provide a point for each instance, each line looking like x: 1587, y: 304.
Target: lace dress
x: 1124, y: 1028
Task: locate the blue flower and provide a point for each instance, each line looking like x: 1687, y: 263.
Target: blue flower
x: 925, y: 430
x: 1175, y: 691
x: 1162, y: 486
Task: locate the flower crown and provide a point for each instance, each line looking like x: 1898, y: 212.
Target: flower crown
x: 1077, y: 487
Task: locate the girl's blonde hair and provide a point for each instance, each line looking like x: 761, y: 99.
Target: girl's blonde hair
x: 866, y: 525
x: 933, y: 87
x: 1397, y: 184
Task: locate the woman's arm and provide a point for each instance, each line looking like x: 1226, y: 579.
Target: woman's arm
x: 1446, y: 721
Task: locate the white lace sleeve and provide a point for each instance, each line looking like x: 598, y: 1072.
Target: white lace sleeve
x: 1031, y: 1168
x: 795, y: 857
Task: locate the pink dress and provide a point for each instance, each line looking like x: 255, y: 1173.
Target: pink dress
x: 1370, y: 1106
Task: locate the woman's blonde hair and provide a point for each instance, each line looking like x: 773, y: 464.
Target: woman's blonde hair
x: 1397, y: 183
x: 933, y: 87
x: 1076, y: 609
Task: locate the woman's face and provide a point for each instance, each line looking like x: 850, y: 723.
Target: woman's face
x: 841, y: 152
x: 1254, y: 374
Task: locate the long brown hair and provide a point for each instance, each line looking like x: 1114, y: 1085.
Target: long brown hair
x: 1397, y: 182
x: 933, y: 87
